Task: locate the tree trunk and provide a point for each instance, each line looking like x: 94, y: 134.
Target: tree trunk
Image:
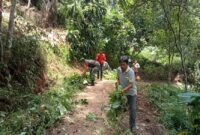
x: 181, y: 50
x: 11, y: 22
x: 1, y: 18
x: 170, y: 50
x: 184, y: 71
x: 48, y: 11
x: 53, y: 12
x: 29, y: 4
x: 169, y: 69
x: 177, y: 38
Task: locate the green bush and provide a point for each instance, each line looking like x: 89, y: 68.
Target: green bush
x: 42, y: 110
x: 162, y: 93
x: 62, y: 14
x: 173, y: 113
x: 85, y: 27
x: 110, y: 75
x: 152, y: 70
x: 195, y: 116
x: 174, y: 116
x: 23, y: 63
x: 28, y: 60
x: 75, y: 80
x: 62, y: 52
x: 117, y: 103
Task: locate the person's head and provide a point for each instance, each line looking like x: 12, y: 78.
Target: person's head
x: 123, y: 62
x: 135, y: 61
x: 101, y: 51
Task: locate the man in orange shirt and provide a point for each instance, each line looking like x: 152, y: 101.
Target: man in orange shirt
x: 101, y: 58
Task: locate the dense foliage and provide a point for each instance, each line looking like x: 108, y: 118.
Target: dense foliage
x: 23, y: 63
x: 94, y: 26
x: 127, y: 27
x: 162, y: 35
x: 117, y: 102
x: 171, y: 26
x: 39, y: 112
x: 173, y: 113
x: 85, y: 28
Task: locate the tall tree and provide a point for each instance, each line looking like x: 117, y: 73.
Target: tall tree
x: 11, y: 22
x: 85, y: 27
x: 175, y: 26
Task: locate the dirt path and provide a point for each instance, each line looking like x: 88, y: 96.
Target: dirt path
x: 146, y: 115
x: 77, y: 122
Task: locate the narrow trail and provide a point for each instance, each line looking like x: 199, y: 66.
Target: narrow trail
x: 97, y: 97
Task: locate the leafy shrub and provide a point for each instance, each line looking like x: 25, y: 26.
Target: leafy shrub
x: 162, y: 93
x: 85, y: 28
x: 93, y: 26
x: 62, y: 52
x: 175, y: 115
x: 42, y: 110
x: 24, y: 62
x: 195, y: 116
x: 117, y: 103
x: 62, y: 14
x: 152, y: 71
x: 75, y: 80
x: 110, y: 75
x: 155, y: 71
x: 119, y: 33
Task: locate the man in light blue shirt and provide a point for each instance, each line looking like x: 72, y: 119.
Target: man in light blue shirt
x: 126, y: 78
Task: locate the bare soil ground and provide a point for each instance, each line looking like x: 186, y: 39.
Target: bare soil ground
x: 76, y: 122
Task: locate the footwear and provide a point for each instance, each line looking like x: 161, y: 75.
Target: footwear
x: 134, y: 128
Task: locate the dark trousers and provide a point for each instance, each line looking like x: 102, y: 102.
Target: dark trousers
x: 92, y: 75
x: 132, y: 110
x: 100, y: 72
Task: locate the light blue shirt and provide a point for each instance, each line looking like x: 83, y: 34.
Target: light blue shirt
x: 125, y: 78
